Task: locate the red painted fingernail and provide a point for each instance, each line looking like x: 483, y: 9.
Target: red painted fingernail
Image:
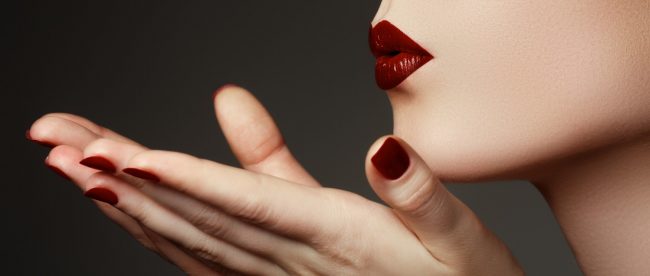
x: 99, y: 163
x: 216, y: 92
x: 391, y: 160
x: 142, y: 174
x: 58, y: 171
x: 102, y: 194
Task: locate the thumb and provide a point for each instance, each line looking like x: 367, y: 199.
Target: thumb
x: 447, y: 228
x: 254, y: 136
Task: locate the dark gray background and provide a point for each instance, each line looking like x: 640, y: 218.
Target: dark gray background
x: 147, y: 69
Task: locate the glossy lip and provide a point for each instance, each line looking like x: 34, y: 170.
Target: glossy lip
x: 398, y: 56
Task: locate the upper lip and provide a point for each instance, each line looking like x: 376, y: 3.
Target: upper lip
x: 398, y: 56
x: 387, y: 40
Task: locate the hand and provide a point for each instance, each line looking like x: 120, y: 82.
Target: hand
x: 296, y: 228
x: 71, y: 134
x: 250, y: 145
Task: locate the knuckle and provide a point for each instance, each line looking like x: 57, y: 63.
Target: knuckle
x: 140, y: 211
x: 253, y: 207
x: 210, y: 222
x: 422, y: 199
x: 266, y: 147
x: 200, y: 247
x: 258, y: 215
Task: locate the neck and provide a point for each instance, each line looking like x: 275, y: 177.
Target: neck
x: 602, y: 202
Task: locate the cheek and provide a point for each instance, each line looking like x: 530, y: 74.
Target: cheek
x: 517, y: 84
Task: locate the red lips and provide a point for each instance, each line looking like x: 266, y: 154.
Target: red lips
x: 398, y: 56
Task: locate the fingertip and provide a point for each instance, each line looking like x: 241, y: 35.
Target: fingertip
x: 102, y: 194
x: 376, y: 155
x: 374, y: 147
x: 58, y: 171
x: 50, y: 130
x: 99, y: 162
x: 391, y: 160
x: 39, y: 132
x: 46, y: 144
x: 63, y: 155
x: 60, y: 158
x: 397, y: 174
x: 151, y: 164
x: 377, y: 181
x: 224, y: 87
x: 104, y: 187
x: 232, y: 102
x: 142, y: 174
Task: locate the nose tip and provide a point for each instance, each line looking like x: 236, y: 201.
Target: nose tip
x: 381, y: 12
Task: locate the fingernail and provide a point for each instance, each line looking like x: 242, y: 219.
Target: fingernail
x: 142, y: 174
x: 99, y: 163
x: 391, y: 160
x: 102, y: 194
x: 28, y: 136
x: 216, y: 92
x: 58, y: 171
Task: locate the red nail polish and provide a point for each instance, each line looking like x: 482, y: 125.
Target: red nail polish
x: 391, y: 160
x: 228, y: 85
x: 142, y: 174
x: 59, y: 172
x: 102, y: 194
x: 99, y: 163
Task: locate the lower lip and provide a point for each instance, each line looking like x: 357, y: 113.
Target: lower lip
x: 391, y: 71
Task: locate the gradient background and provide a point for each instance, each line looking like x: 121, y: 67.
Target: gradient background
x: 147, y: 69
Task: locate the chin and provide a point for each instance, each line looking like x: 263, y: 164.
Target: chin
x: 457, y: 160
x: 505, y: 134
x: 459, y: 153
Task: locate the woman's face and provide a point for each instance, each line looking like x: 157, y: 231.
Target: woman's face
x: 518, y: 84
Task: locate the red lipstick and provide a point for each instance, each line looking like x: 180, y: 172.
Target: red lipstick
x: 398, y: 56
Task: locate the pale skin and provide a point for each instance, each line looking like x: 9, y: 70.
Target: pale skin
x: 555, y: 92
x: 272, y: 217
